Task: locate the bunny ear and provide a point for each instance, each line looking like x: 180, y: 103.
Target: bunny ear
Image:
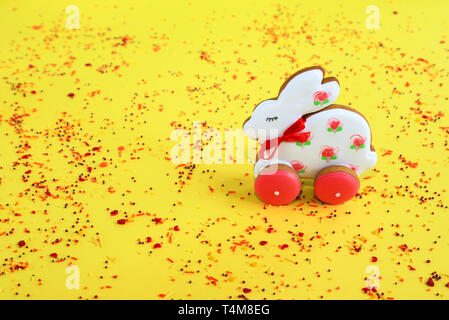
x: 308, y: 91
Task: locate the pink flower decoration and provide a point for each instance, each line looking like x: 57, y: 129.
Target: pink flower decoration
x: 298, y: 166
x: 304, y: 139
x: 357, y: 142
x: 328, y: 153
x: 321, y: 97
x: 334, y: 125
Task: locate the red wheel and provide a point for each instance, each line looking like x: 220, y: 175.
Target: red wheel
x: 336, y: 185
x: 278, y: 187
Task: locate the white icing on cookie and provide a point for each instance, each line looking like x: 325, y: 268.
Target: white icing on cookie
x: 303, y: 94
x: 349, y: 146
x: 337, y: 136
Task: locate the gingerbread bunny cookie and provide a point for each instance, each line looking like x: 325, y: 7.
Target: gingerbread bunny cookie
x: 303, y: 135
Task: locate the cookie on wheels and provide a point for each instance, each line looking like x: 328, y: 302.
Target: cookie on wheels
x: 302, y: 134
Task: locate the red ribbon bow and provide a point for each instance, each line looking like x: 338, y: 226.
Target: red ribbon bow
x: 292, y: 134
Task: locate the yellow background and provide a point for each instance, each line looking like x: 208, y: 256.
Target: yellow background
x: 155, y: 65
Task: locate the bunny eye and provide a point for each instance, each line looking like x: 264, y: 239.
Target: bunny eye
x: 272, y: 119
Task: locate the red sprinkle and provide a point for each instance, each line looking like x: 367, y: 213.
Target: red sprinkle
x: 430, y: 282
x: 121, y: 221
x: 262, y: 243
x: 246, y: 290
x: 54, y: 255
x: 114, y: 212
x: 157, y: 245
x: 21, y: 243
x: 374, y: 259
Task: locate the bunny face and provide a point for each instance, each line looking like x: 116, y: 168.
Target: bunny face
x: 269, y: 120
x: 303, y: 93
